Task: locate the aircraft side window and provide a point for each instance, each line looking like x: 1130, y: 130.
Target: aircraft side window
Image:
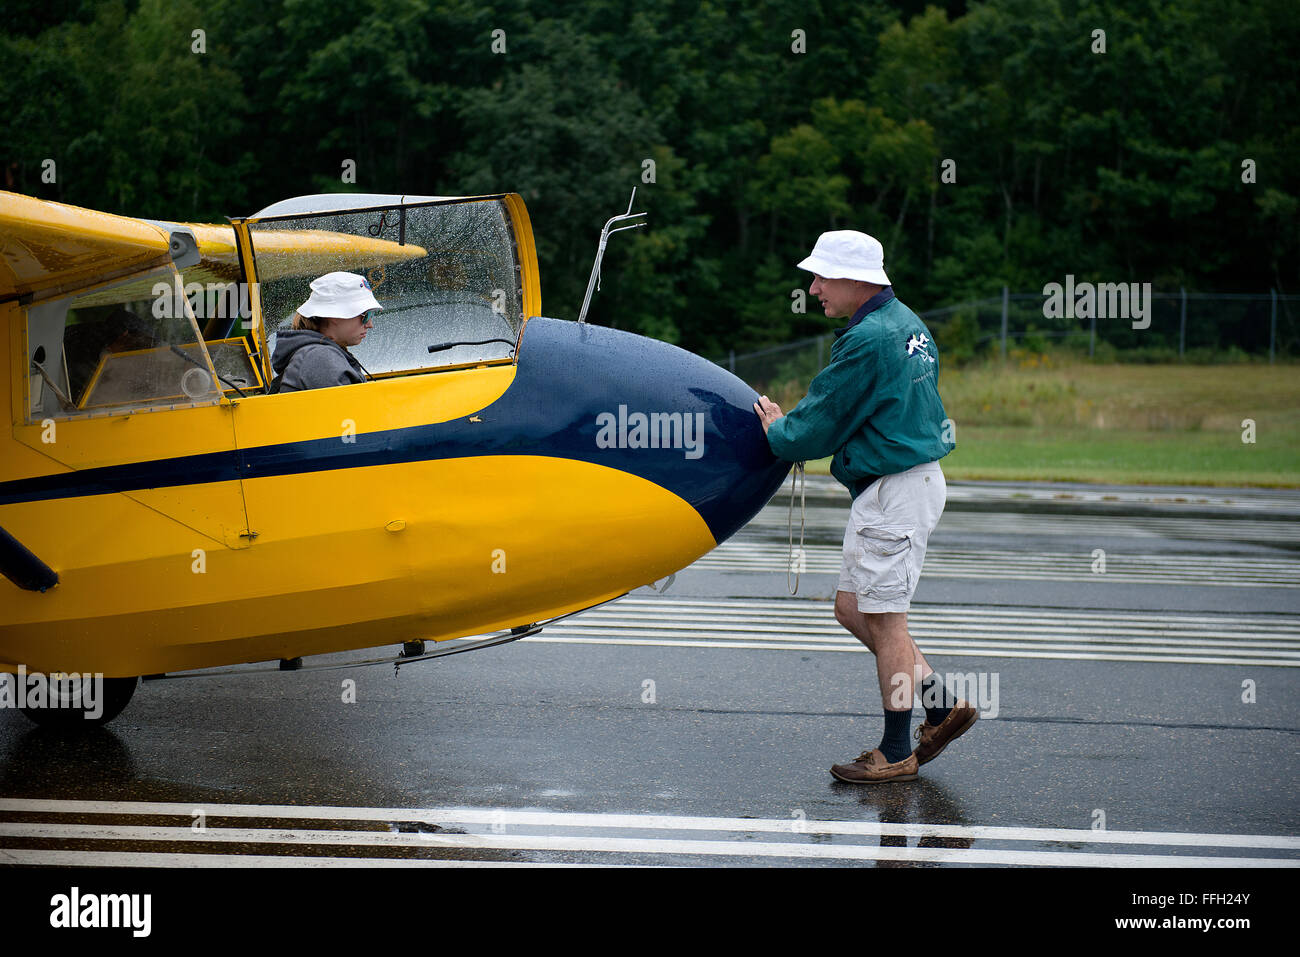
x: 112, y: 350
x: 221, y: 307
x: 47, y: 373
x: 235, y: 367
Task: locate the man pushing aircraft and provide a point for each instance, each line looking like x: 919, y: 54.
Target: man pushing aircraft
x: 876, y: 409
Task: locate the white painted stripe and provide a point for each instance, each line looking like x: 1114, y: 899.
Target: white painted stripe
x: 945, y: 637
x: 978, y: 631
x: 628, y: 845
x: 1037, y: 644
x: 937, y: 570
x: 778, y: 555
x: 771, y: 627
x: 1199, y: 561
x: 1127, y: 568
x: 535, y: 818
x: 796, y: 602
x: 926, y: 641
x: 989, y: 627
x: 962, y: 650
x: 818, y: 606
x: 826, y: 852
x: 32, y: 858
x: 775, y: 513
x: 1029, y: 643
x: 816, y: 609
x: 904, y: 854
x: 814, y: 613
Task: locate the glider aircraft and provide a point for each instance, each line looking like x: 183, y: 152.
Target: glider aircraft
x: 162, y: 512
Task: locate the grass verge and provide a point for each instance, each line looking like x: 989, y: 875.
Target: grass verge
x: 1038, y: 419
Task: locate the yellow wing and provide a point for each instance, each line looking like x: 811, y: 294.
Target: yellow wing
x: 52, y: 247
x: 291, y: 252
x: 48, y: 246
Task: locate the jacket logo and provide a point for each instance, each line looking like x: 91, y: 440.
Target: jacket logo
x: 916, y: 344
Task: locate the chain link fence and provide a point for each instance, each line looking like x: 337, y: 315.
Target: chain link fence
x: 1175, y: 327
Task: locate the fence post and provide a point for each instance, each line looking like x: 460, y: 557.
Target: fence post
x: 1182, y: 322
x: 1272, y: 326
x: 1005, y: 293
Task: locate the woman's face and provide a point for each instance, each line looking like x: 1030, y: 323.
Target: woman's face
x: 348, y: 332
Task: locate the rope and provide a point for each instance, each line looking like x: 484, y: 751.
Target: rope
x: 796, y: 554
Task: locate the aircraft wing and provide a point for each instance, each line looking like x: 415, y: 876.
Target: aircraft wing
x: 47, y: 246
x: 51, y: 246
x: 291, y: 252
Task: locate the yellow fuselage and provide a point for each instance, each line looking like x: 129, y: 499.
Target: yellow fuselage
x: 157, y: 580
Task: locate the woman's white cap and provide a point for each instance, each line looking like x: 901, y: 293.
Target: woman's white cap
x: 848, y: 254
x: 339, y: 295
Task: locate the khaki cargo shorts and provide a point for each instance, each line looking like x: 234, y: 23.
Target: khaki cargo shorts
x: 884, y: 544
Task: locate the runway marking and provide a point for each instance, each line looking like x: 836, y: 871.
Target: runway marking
x: 739, y: 555
x: 329, y: 812
x: 963, y: 651
x: 794, y: 847
x: 28, y: 858
x: 800, y: 624
x: 662, y: 846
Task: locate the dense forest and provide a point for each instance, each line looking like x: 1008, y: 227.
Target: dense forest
x: 1009, y: 142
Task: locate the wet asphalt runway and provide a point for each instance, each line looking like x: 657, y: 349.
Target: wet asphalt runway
x: 696, y: 726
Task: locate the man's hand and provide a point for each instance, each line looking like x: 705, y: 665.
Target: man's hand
x: 768, y: 411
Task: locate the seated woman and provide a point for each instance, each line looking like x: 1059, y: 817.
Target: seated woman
x: 313, y: 352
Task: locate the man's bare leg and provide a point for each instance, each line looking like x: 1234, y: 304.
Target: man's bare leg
x: 859, y: 625
x: 899, y: 668
x: 878, y: 631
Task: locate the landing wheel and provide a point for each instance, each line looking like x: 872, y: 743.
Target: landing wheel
x: 67, y: 703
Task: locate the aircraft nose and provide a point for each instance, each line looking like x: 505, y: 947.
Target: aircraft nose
x: 649, y: 408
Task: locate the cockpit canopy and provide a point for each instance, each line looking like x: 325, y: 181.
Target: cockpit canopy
x: 122, y: 315
x: 446, y: 271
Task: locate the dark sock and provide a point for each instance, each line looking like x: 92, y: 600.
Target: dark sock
x: 897, y: 742
x: 936, y: 699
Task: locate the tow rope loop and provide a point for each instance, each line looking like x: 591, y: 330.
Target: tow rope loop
x: 796, y: 564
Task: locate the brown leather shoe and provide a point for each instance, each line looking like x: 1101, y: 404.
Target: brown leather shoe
x: 934, y: 739
x: 872, y: 768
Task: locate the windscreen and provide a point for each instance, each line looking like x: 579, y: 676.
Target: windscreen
x: 445, y: 274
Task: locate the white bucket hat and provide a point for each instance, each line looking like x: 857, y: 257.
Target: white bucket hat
x: 339, y: 295
x: 848, y: 254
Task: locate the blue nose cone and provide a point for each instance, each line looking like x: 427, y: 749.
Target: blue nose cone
x: 649, y: 408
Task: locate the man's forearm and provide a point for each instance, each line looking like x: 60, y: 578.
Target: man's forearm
x: 787, y: 441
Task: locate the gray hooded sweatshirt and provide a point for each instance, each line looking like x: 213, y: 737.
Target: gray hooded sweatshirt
x: 308, y: 360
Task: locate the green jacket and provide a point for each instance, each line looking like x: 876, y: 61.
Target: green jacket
x: 875, y: 406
